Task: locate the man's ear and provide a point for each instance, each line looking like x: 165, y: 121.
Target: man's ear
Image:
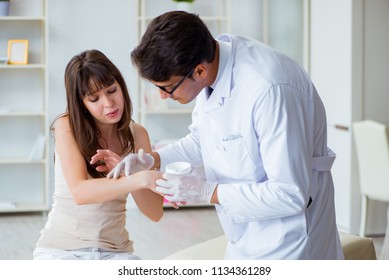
x: 201, y: 71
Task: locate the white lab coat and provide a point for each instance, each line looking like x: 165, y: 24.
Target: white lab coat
x: 261, y: 135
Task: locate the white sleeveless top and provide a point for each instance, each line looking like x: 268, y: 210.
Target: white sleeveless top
x: 71, y: 226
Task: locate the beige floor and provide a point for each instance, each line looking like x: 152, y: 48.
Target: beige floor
x: 177, y: 230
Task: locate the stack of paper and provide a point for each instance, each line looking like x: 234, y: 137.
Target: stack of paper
x: 38, y: 149
x: 7, y: 204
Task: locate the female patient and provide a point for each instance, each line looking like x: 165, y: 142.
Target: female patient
x: 88, y: 216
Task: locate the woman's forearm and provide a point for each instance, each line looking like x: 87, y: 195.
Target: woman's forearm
x: 103, y: 189
x: 149, y: 203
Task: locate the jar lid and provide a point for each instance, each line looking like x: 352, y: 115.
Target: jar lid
x: 178, y: 168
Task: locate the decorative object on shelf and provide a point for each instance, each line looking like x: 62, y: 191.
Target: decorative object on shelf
x: 4, y: 8
x: 5, y: 110
x: 17, y: 51
x: 38, y: 148
x: 184, y: 5
x: 3, y: 59
x: 7, y: 205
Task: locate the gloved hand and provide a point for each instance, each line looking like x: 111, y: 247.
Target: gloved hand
x: 190, y: 188
x: 132, y: 163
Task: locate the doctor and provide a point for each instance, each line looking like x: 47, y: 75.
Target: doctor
x: 259, y: 129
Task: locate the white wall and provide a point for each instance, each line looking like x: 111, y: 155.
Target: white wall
x: 349, y: 61
x: 376, y: 60
x: 76, y: 25
x: 111, y: 27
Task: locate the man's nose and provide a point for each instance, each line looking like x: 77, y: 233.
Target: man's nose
x: 164, y: 94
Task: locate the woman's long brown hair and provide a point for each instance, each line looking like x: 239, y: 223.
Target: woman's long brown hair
x: 86, y: 73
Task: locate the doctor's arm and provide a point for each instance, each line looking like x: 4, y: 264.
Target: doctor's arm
x: 283, y: 148
x: 286, y: 157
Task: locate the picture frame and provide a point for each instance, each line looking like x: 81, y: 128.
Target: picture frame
x: 18, y: 51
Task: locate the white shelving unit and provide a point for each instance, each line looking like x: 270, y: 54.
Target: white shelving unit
x: 166, y: 120
x: 24, y: 112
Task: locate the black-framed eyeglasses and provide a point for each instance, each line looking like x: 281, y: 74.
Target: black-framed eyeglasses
x: 177, y: 85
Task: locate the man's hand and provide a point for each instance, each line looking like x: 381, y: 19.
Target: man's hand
x: 190, y: 188
x: 132, y: 163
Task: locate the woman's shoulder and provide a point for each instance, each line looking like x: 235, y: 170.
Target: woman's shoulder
x: 137, y: 128
x: 61, y: 124
x: 141, y: 136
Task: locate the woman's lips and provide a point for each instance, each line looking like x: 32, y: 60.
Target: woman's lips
x: 113, y: 113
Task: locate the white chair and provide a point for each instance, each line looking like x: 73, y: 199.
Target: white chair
x: 371, y: 143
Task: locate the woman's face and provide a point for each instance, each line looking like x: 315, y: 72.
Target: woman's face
x: 106, y: 105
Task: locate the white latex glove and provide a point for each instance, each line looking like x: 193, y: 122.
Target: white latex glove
x: 190, y: 188
x: 132, y: 163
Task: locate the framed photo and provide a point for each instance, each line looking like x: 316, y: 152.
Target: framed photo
x: 17, y: 51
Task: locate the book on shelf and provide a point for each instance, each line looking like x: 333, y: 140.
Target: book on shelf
x: 38, y: 148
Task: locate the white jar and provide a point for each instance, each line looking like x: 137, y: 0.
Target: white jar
x: 178, y: 168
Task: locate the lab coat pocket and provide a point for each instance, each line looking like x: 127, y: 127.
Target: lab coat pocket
x: 264, y: 236
x: 233, y: 231
x: 234, y: 158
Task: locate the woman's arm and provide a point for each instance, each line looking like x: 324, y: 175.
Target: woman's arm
x: 84, y: 189
x: 149, y: 202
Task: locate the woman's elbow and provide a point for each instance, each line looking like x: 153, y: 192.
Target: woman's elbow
x: 79, y: 197
x: 79, y: 200
x: 156, y: 217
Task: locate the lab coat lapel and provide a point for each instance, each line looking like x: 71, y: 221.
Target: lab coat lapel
x: 215, y: 101
x: 222, y: 86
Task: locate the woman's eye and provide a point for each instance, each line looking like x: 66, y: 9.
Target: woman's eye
x: 93, y: 99
x: 112, y: 90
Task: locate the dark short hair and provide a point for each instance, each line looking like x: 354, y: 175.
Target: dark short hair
x: 173, y: 44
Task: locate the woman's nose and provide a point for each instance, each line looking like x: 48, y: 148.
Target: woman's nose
x: 108, y: 101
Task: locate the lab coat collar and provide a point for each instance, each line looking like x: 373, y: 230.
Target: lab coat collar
x: 222, y: 85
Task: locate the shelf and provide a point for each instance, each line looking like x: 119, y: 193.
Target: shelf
x: 204, y: 18
x: 167, y: 119
x: 22, y: 18
x: 21, y: 114
x: 18, y: 67
x: 166, y: 111
x: 22, y: 207
x: 20, y: 161
x: 24, y: 115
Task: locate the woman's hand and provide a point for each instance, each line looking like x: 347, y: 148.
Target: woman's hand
x: 106, y: 160
x: 148, y: 179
